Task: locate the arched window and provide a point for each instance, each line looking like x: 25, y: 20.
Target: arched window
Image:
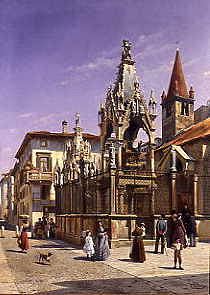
x: 168, y: 111
x: 179, y: 166
x: 185, y: 109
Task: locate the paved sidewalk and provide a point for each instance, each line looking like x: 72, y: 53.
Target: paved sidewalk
x: 7, y: 280
x: 158, y: 270
x: 70, y: 272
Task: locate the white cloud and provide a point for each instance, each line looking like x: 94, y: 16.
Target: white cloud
x: 159, y: 69
x: 12, y: 130
x: 45, y: 119
x: 64, y: 82
x: 84, y: 71
x: 25, y: 115
x: 48, y: 118
x: 153, y: 49
x: 206, y: 74
x: 98, y: 63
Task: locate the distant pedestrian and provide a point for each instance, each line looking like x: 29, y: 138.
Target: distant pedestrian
x: 2, y: 231
x: 190, y: 226
x: 170, y: 227
x: 179, y: 241
x: 101, y: 243
x: 38, y: 229
x: 17, y: 233
x: 52, y: 230
x: 185, y: 210
x: 23, y: 241
x: 47, y: 230
x: 89, y: 246
x: 45, y: 227
x: 137, y: 251
x: 161, y: 229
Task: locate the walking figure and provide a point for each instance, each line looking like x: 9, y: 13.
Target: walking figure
x: 23, y: 241
x: 161, y: 229
x: 178, y: 239
x: 137, y: 252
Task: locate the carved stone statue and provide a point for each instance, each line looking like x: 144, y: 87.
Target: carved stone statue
x: 77, y: 119
x: 126, y: 50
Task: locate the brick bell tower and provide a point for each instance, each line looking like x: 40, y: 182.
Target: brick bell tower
x: 178, y: 104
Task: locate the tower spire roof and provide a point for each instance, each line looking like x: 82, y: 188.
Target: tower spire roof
x: 177, y: 86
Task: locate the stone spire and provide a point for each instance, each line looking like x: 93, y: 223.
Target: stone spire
x: 177, y: 86
x: 125, y: 85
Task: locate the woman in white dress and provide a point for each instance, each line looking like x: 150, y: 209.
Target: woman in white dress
x: 89, y: 246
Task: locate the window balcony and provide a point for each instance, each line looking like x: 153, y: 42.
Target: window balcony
x: 41, y: 176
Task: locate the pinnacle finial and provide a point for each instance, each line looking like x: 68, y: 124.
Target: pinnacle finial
x: 77, y: 120
x: 152, y: 93
x: 163, y: 96
x: 191, y: 92
x: 126, y: 54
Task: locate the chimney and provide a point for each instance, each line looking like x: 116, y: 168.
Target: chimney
x: 64, y: 126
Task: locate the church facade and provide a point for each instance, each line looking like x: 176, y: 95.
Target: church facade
x: 122, y: 182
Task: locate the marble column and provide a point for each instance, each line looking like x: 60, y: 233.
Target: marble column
x: 195, y: 194
x: 173, y: 179
x: 173, y: 191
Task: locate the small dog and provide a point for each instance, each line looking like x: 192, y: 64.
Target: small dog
x: 45, y: 257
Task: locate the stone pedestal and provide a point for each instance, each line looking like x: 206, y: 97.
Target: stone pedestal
x: 203, y: 228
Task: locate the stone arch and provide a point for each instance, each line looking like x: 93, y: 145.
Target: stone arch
x: 130, y: 133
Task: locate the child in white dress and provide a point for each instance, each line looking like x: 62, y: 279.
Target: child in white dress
x: 89, y: 246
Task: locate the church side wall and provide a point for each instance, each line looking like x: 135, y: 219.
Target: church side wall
x: 162, y: 195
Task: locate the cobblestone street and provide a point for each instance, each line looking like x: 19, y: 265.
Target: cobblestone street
x: 70, y: 273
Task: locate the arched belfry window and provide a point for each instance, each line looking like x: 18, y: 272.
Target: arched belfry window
x: 185, y: 109
x: 179, y: 166
x: 168, y: 111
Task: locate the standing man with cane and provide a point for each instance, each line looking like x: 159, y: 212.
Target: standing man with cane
x: 161, y: 229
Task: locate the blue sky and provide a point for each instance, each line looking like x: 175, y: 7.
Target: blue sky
x: 58, y: 58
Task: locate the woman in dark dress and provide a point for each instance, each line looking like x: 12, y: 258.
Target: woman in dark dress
x: 190, y: 226
x: 137, y: 252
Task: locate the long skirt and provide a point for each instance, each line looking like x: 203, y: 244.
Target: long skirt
x: 23, y: 242
x: 137, y: 252
x: 102, y: 248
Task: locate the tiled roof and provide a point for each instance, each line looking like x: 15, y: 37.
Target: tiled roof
x: 196, y: 131
x: 177, y: 86
x: 47, y: 134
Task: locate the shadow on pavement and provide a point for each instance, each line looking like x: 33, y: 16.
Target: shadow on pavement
x: 15, y: 251
x: 169, y: 267
x: 80, y: 258
x: 41, y: 263
x: 148, y: 285
x: 56, y: 246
